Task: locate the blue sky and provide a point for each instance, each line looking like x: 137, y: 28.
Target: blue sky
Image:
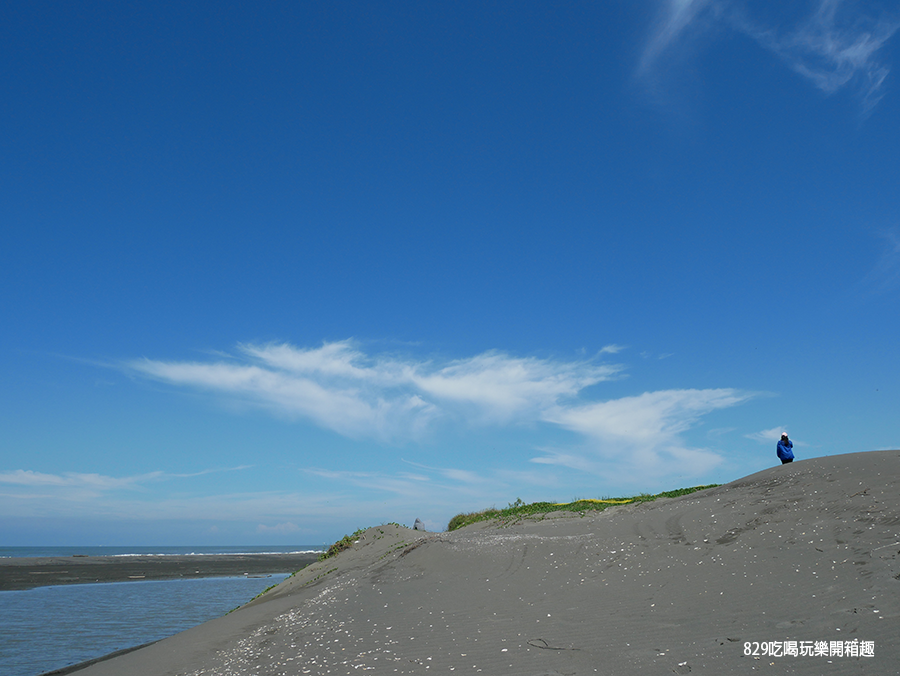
x: 273, y: 272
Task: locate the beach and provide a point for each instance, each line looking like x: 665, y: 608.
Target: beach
x: 30, y: 572
x: 795, y: 569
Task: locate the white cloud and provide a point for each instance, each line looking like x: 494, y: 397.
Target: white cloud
x: 341, y: 388
x: 503, y: 388
x: 75, y: 485
x: 74, y: 480
x: 279, y: 529
x: 354, y: 406
x: 649, y: 417
x: 385, y: 397
x: 831, y: 48
x: 832, y: 53
x: 462, y: 476
x: 642, y: 431
x: 418, y: 487
x: 674, y: 18
x: 885, y: 275
x: 766, y: 436
x: 204, y: 472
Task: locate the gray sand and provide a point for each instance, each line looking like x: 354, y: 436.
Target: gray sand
x: 802, y: 552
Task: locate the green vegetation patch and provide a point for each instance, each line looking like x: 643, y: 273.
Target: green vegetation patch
x: 518, y: 509
x: 345, y: 542
x: 320, y: 575
x: 348, y: 541
x: 267, y: 589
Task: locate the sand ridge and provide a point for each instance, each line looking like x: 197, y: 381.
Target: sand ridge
x: 803, y: 552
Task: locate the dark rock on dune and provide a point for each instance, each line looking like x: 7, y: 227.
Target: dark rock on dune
x: 802, y: 558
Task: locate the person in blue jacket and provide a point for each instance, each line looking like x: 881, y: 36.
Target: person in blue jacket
x: 785, y: 452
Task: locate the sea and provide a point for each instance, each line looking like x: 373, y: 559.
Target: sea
x: 49, y: 628
x: 153, y: 551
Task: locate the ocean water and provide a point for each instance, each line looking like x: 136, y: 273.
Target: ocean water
x: 151, y: 551
x: 49, y: 628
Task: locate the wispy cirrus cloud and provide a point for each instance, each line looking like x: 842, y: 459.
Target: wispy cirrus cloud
x: 27, y: 493
x: 835, y: 46
x: 642, y: 431
x: 771, y: 436
x: 339, y: 387
x: 673, y: 21
x: 766, y: 436
x: 410, y: 486
x: 385, y: 397
x: 286, y: 528
x: 95, y: 482
x: 647, y: 417
x: 885, y: 275
x: 98, y: 482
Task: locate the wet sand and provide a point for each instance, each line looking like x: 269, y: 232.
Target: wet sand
x: 807, y: 552
x: 26, y: 573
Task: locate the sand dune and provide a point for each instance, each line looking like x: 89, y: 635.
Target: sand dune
x: 806, y: 553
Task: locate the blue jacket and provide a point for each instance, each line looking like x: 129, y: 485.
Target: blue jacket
x: 784, y: 449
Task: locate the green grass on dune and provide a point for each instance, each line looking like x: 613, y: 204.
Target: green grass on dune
x: 518, y: 509
x: 348, y: 541
x: 345, y: 542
